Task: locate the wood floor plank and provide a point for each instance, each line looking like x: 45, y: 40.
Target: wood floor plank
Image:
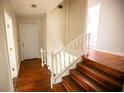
x: 33, y: 77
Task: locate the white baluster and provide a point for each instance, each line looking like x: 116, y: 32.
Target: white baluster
x: 82, y: 43
x: 46, y: 57
x: 60, y: 61
x: 85, y: 43
x: 52, y: 69
x: 56, y: 64
x: 88, y: 46
x: 42, y: 58
x: 64, y: 59
x: 69, y: 54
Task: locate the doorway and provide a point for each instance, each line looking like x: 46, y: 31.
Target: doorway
x: 93, y: 21
x: 29, y: 36
x: 10, y: 44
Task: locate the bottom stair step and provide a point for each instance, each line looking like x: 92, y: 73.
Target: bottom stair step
x: 71, y: 85
x: 59, y: 88
x: 86, y: 82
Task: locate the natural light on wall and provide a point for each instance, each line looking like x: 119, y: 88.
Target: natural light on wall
x: 93, y: 21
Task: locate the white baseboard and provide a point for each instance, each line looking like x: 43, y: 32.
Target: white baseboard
x: 113, y: 53
x: 18, y: 67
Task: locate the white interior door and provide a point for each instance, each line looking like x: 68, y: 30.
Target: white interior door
x: 29, y: 41
x: 10, y: 44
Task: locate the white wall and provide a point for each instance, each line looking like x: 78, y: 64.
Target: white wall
x: 64, y: 25
x: 30, y: 20
x: 5, y: 81
x: 111, y: 27
x: 44, y: 30
x: 76, y: 18
x: 56, y: 28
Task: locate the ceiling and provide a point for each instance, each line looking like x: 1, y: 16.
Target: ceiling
x: 23, y: 7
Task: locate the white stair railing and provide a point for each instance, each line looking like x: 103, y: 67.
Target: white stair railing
x: 66, y: 57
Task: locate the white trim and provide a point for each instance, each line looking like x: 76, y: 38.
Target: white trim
x: 113, y: 53
x: 13, y: 62
x: 18, y: 68
x: 20, y: 41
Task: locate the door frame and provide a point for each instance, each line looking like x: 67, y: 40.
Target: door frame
x: 20, y: 31
x: 15, y: 73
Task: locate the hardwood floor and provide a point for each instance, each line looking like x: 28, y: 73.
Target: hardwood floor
x: 99, y: 72
x: 33, y: 77
x: 109, y: 60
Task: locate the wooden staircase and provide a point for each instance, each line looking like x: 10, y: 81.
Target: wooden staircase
x: 91, y: 76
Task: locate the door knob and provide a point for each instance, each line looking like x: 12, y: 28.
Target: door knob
x: 8, y: 26
x: 22, y: 44
x: 13, y: 69
x: 11, y: 49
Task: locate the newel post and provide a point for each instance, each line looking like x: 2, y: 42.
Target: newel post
x: 52, y: 72
x: 42, y: 57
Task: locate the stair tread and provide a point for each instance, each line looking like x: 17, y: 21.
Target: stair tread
x: 104, y: 68
x: 85, y: 81
x: 59, y: 88
x: 71, y: 85
x: 102, y: 75
x: 112, y: 61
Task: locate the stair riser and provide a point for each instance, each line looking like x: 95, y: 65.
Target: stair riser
x: 65, y: 85
x: 71, y: 85
x: 82, y: 83
x: 68, y: 87
x: 59, y: 88
x: 103, y: 68
x: 100, y: 80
